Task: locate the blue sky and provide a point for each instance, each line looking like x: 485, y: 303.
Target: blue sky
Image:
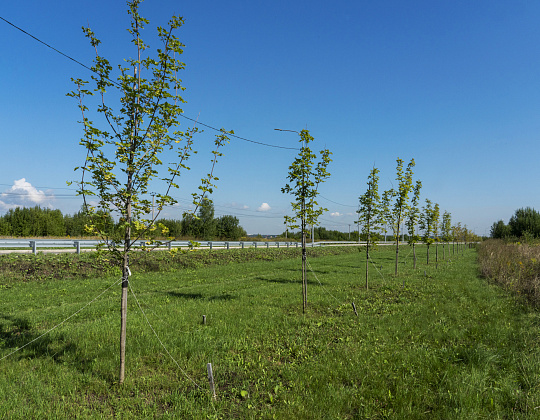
x: 453, y: 84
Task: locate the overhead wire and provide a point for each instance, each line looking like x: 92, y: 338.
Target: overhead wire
x: 117, y: 84
x: 196, y: 121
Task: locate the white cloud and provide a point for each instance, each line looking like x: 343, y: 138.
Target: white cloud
x: 336, y: 214
x: 236, y: 205
x: 24, y: 194
x: 264, y: 207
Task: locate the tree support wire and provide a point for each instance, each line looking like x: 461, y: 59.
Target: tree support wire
x: 160, y: 342
x: 116, y: 282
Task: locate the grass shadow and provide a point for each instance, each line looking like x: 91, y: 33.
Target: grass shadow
x: 18, y: 333
x: 192, y: 296
x: 288, y: 281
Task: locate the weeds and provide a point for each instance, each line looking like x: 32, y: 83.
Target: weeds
x: 515, y: 266
x: 42, y: 267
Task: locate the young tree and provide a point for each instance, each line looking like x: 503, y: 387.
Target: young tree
x: 385, y: 215
x: 399, y: 210
x: 457, y: 233
x: 435, y: 220
x: 426, y: 224
x: 368, y: 214
x: 446, y: 230
x: 413, y: 215
x: 124, y: 159
x: 304, y: 179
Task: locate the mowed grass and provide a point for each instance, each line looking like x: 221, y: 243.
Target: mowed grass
x: 432, y: 343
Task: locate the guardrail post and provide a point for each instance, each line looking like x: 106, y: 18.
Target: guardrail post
x: 267, y: 244
x: 78, y: 246
x: 169, y: 245
x: 227, y: 245
x: 242, y: 244
x: 255, y: 243
x: 33, y: 245
x: 288, y: 243
x: 296, y: 244
x: 277, y: 244
x: 210, y: 245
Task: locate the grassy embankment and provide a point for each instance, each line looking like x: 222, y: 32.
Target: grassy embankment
x: 447, y: 345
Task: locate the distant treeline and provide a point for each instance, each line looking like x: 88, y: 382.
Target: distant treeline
x: 42, y: 222
x: 525, y: 224
x: 323, y: 234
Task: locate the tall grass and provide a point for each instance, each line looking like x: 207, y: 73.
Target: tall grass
x: 515, y: 266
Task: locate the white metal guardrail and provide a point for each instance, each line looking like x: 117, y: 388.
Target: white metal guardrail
x: 70, y: 245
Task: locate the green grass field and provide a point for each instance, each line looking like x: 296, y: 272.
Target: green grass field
x: 447, y: 345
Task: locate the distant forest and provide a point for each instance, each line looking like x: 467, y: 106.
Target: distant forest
x: 43, y: 222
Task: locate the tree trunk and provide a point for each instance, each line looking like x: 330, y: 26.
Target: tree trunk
x: 397, y: 253
x: 367, y: 261
x: 304, y: 279
x: 125, y: 283
x: 123, y: 319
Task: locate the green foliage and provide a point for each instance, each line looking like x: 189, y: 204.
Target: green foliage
x: 427, y: 222
x: 304, y: 178
x: 525, y: 220
x: 174, y: 227
x: 228, y: 227
x: 124, y: 158
x: 369, y: 211
x: 203, y: 226
x: 405, y: 186
x: 385, y: 218
x: 499, y: 230
x: 446, y: 227
x: 413, y: 215
x: 31, y: 222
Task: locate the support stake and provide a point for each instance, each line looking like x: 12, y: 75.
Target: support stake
x: 211, y: 380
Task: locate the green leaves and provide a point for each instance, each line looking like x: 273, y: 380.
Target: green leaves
x: 429, y: 222
x: 123, y: 159
x: 369, y: 210
x: 304, y: 178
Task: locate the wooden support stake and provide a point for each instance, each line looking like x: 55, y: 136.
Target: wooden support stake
x: 211, y: 380
x: 204, y: 319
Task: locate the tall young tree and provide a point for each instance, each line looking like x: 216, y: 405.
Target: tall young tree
x: 413, y: 215
x: 385, y: 214
x: 404, y: 187
x: 446, y: 230
x: 426, y: 224
x: 368, y: 214
x: 304, y: 178
x: 124, y: 158
x: 456, y: 234
x: 435, y: 220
